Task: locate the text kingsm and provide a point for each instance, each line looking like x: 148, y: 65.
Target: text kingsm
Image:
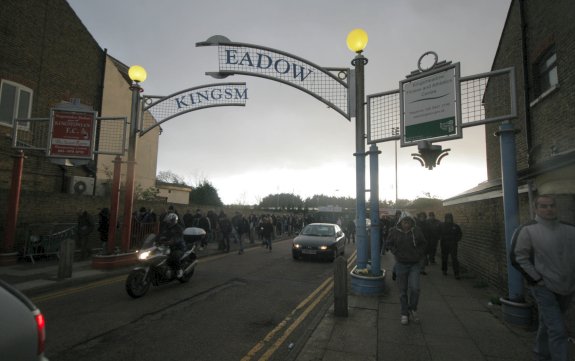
x: 216, y: 95
x: 263, y: 61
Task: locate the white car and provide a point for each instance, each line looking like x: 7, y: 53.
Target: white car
x: 23, y: 335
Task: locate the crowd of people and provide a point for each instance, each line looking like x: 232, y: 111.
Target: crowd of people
x: 226, y: 229
x: 543, y: 251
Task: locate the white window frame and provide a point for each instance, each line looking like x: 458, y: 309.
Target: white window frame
x: 19, y: 89
x: 544, y: 70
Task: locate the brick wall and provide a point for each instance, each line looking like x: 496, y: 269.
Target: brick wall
x: 552, y: 119
x: 42, y: 208
x: 482, y: 249
x: 46, y: 48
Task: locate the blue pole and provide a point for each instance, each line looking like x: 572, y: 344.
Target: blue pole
x: 361, y: 234
x: 374, y: 210
x: 510, y: 204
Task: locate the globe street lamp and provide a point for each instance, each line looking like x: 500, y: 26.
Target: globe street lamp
x: 137, y: 74
x: 356, y: 42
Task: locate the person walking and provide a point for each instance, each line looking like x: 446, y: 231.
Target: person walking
x: 205, y: 224
x: 350, y: 231
x: 226, y: 229
x: 543, y: 250
x: 103, y: 228
x: 85, y: 227
x: 434, y: 233
x: 422, y: 225
x: 267, y: 232
x: 449, y: 239
x: 408, y: 245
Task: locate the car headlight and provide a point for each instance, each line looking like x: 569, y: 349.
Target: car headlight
x: 144, y: 255
x: 295, y: 245
x: 323, y: 248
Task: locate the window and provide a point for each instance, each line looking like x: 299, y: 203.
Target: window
x: 15, y: 102
x: 546, y: 72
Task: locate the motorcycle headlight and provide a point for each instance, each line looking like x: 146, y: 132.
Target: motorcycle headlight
x: 144, y: 255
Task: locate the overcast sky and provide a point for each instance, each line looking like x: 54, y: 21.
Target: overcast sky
x: 284, y: 140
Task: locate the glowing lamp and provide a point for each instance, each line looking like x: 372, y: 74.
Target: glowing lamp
x: 357, y: 40
x: 137, y: 73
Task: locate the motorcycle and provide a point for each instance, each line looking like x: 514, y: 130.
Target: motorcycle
x: 153, y: 267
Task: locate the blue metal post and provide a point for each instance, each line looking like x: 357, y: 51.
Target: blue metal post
x: 510, y: 204
x: 361, y: 235
x: 374, y: 210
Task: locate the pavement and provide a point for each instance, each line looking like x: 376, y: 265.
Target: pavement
x: 458, y: 321
x: 458, y: 318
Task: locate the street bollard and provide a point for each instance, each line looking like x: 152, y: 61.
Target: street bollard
x: 66, y: 254
x: 340, y: 287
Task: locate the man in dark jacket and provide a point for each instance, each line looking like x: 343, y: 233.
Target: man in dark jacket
x: 205, y: 224
x: 85, y: 227
x: 434, y: 232
x: 408, y: 245
x: 449, y: 239
x: 226, y: 229
x: 172, y: 235
x: 267, y: 232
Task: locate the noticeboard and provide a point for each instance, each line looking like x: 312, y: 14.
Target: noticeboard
x: 430, y: 109
x: 71, y: 134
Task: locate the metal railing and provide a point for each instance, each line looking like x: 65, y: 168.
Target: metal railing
x: 45, y: 239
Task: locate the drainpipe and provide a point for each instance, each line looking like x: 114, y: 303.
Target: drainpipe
x: 526, y: 87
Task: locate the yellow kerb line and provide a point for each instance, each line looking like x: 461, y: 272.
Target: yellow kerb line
x: 328, y: 282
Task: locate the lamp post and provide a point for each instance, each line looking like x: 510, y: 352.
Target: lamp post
x: 356, y: 42
x: 137, y: 74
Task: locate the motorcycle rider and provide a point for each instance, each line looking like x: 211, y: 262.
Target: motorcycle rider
x: 172, y: 235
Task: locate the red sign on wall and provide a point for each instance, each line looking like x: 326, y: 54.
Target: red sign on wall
x: 72, y: 134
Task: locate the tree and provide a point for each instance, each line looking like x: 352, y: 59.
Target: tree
x: 285, y: 201
x: 205, y: 194
x: 167, y: 176
x: 147, y: 194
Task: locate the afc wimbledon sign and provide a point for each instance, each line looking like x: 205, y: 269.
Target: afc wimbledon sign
x: 72, y: 134
x: 429, y: 106
x: 247, y: 59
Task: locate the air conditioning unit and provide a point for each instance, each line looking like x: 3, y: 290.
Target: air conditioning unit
x: 81, y: 185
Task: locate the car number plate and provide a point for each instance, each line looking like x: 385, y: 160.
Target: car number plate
x: 308, y: 251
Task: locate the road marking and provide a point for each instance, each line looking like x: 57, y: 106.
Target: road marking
x: 322, y: 290
x: 313, y: 299
x: 70, y: 291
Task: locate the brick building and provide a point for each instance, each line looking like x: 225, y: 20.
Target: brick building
x: 538, y: 42
x: 47, y: 56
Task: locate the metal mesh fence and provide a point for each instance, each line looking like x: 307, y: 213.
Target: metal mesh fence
x: 485, y: 98
x: 383, y: 117
x: 112, y: 136
x: 33, y: 134
x: 290, y: 70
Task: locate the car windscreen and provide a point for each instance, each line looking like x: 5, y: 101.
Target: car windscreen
x: 318, y: 230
